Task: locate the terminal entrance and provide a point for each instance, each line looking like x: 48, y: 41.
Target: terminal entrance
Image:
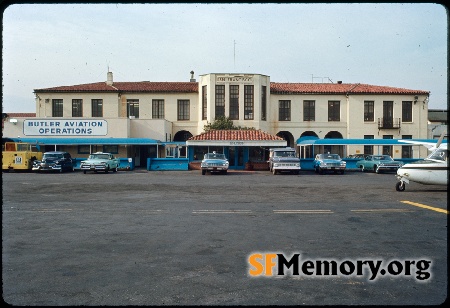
x: 236, y: 157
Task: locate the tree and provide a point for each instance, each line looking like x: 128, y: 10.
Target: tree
x: 223, y: 123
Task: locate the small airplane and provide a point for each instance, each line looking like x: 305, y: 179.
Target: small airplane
x: 432, y: 170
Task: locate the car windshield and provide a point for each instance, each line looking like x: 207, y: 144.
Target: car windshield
x: 382, y: 157
x: 52, y: 155
x: 331, y: 156
x: 285, y: 154
x: 99, y: 156
x: 214, y: 156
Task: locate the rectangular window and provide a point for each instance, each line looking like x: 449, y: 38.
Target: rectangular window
x: 133, y: 108
x: 368, y: 149
x: 204, y: 103
x: 57, y: 107
x: 406, y: 111
x: 284, y: 110
x: 407, y: 149
x: 220, y: 101
x: 77, y: 108
x: 248, y: 102
x: 158, y: 109
x: 113, y: 149
x: 97, y: 107
x: 369, y: 111
x: 387, y: 149
x: 234, y: 102
x: 84, y: 149
x: 309, y: 110
x: 334, y: 111
x: 263, y: 103
x: 183, y: 110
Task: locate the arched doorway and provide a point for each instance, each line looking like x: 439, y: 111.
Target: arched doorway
x: 307, y: 151
x: 182, y: 135
x: 335, y: 149
x: 288, y: 137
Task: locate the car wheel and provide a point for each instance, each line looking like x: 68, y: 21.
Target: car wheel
x: 316, y: 169
x: 400, y: 186
x: 224, y: 171
x: 84, y: 171
x: 274, y: 171
x: 342, y: 171
x: 320, y: 170
x: 115, y: 169
x: 361, y: 168
x: 61, y: 170
x: 203, y: 172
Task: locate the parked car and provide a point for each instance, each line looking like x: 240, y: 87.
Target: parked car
x: 355, y: 156
x: 283, y: 159
x: 100, y: 161
x: 378, y: 163
x: 54, y: 161
x: 214, y: 162
x: 329, y: 162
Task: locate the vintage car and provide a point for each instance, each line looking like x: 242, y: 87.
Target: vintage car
x: 378, y: 163
x: 100, y: 161
x: 54, y: 161
x: 355, y: 156
x: 214, y: 162
x: 329, y: 162
x: 283, y: 159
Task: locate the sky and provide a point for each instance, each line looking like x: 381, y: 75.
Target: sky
x: 400, y: 45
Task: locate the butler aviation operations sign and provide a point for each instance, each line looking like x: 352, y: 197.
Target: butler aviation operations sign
x: 65, y: 127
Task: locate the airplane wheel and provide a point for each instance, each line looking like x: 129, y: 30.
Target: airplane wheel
x: 400, y: 186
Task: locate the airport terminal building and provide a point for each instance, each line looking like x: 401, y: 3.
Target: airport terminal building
x: 142, y: 120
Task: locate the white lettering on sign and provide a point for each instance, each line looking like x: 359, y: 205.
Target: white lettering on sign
x: 65, y: 127
x: 236, y: 142
x: 234, y: 79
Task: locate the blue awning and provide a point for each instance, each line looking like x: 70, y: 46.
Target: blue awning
x: 87, y: 141
x: 311, y: 140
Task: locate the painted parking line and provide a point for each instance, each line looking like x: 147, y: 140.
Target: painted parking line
x: 302, y: 211
x: 221, y: 212
x: 383, y: 211
x: 426, y: 207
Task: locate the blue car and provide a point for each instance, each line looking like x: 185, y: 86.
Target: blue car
x: 329, y: 162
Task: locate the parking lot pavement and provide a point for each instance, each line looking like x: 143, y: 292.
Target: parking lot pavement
x: 180, y: 238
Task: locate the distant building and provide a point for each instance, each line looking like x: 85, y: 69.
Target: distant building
x: 437, y: 123
x: 158, y: 117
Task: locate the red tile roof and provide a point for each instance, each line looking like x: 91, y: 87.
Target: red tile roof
x: 21, y: 115
x: 143, y: 86
x: 251, y: 134
x: 337, y: 88
x: 192, y: 87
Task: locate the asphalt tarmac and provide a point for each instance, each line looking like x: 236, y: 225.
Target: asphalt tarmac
x: 179, y: 238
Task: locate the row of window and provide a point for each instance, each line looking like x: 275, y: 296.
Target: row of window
x: 387, y: 149
x: 309, y: 110
x: 132, y: 108
x: 284, y: 107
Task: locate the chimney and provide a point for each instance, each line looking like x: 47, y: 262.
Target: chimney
x: 192, y: 77
x: 339, y: 81
x: 109, y: 79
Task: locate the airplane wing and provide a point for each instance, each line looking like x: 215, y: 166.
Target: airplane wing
x: 431, y: 146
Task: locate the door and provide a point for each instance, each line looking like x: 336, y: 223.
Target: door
x: 388, y: 114
x: 236, y: 157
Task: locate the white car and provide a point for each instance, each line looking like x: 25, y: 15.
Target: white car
x: 100, y: 161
